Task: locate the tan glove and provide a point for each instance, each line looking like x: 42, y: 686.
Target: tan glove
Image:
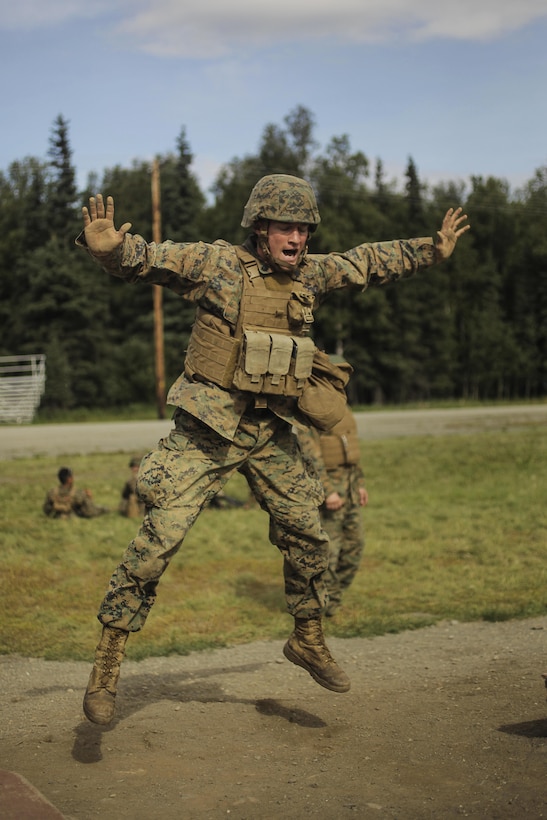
x: 450, y: 233
x: 100, y: 234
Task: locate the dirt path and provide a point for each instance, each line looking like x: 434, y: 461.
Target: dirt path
x: 447, y: 721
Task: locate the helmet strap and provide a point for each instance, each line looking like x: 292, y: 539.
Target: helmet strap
x: 262, y: 243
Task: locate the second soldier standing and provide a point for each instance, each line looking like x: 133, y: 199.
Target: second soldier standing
x: 335, y: 456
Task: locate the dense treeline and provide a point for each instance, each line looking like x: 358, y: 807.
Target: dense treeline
x: 475, y: 327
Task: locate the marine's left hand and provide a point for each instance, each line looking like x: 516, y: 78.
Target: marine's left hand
x: 450, y: 232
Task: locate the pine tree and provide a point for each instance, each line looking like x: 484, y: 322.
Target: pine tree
x: 63, y: 194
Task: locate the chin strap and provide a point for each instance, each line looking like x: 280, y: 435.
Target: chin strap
x: 275, y: 265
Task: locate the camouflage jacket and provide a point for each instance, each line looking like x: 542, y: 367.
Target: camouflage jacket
x: 210, y: 276
x: 59, y: 502
x: 63, y: 501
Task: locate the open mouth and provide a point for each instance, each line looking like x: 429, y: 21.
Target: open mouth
x: 290, y: 254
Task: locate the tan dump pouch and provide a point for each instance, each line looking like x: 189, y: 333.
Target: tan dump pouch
x: 212, y: 355
x: 323, y: 399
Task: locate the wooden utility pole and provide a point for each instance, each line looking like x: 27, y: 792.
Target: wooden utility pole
x: 158, y: 296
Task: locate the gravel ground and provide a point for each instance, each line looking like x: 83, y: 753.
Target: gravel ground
x: 446, y: 721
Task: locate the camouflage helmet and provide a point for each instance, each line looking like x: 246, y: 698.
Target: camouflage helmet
x: 283, y: 198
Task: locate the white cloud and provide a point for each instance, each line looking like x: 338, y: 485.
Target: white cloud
x: 215, y: 28
x: 33, y: 14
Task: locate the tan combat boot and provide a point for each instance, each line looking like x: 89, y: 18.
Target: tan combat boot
x: 306, y: 648
x: 100, y: 695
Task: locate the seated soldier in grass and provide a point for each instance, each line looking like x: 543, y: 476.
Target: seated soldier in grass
x: 65, y: 500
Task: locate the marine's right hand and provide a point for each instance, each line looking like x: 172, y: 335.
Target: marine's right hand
x: 100, y: 234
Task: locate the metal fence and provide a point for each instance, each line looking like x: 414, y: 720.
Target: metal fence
x: 22, y: 384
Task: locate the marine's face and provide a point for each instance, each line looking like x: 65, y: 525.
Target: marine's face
x: 287, y: 241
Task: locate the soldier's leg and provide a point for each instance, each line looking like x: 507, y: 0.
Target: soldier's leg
x: 279, y: 480
x: 85, y: 507
x: 176, y: 481
x: 333, y: 523
x: 352, y: 548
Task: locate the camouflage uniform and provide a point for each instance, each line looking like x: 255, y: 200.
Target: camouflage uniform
x: 63, y: 501
x: 218, y: 430
x: 131, y: 506
x: 339, y: 471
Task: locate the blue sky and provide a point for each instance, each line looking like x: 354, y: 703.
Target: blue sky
x: 460, y: 87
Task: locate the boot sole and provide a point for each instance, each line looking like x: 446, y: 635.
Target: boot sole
x: 297, y: 660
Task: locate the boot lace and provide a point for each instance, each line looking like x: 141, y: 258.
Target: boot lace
x: 111, y: 658
x: 314, y: 638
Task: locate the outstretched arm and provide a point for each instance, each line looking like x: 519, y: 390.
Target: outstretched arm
x: 100, y: 234
x: 450, y: 233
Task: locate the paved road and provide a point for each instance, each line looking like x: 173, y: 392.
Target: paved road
x: 24, y: 441
x: 394, y: 423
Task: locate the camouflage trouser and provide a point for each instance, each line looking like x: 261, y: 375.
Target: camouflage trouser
x: 347, y: 538
x: 179, y: 478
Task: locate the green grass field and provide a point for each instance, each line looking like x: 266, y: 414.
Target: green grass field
x: 456, y: 529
